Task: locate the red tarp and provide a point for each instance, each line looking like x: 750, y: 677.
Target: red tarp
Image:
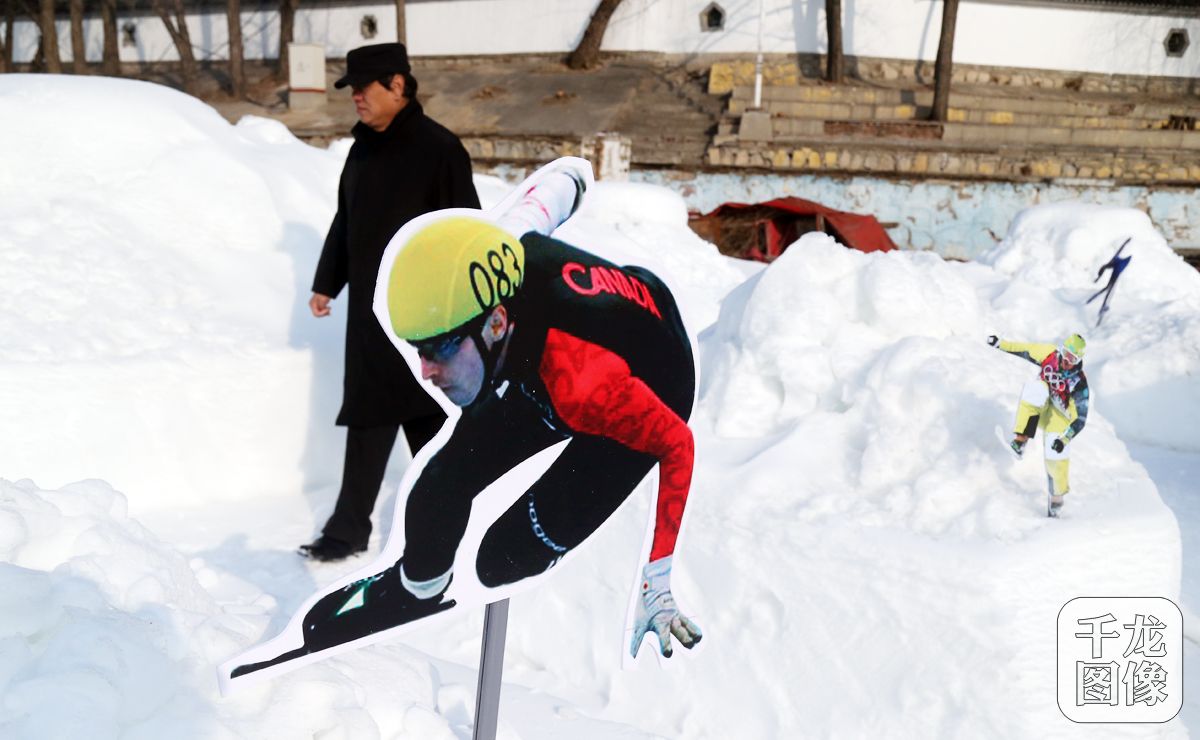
x: 863, y: 233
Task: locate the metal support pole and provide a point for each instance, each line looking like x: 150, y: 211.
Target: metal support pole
x: 491, y: 668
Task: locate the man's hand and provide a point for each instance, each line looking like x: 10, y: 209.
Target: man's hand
x: 656, y: 611
x: 993, y: 340
x: 319, y: 305
x: 1058, y: 445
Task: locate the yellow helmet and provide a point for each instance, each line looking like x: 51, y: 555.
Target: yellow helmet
x: 450, y: 272
x: 1075, y: 345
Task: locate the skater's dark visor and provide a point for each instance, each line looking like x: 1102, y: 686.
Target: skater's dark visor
x: 440, y: 348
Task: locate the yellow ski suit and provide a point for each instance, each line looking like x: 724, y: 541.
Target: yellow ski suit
x: 1055, y: 401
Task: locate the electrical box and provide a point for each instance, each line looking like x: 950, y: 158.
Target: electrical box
x: 306, y: 75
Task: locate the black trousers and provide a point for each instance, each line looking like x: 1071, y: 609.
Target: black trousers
x: 587, y: 483
x: 367, y: 453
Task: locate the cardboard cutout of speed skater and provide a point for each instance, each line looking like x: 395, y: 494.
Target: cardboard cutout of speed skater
x: 535, y: 347
x: 1056, y: 401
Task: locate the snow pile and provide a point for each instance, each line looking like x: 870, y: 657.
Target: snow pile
x: 1146, y: 353
x: 95, y: 619
x: 864, y: 558
x: 852, y: 397
x: 156, y: 263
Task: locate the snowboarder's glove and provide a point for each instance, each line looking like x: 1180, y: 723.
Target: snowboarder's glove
x: 1058, y: 444
x: 656, y: 611
x: 993, y: 340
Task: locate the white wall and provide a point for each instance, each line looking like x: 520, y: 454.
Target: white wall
x: 989, y: 34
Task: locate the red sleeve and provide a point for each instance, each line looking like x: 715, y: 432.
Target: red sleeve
x: 593, y: 391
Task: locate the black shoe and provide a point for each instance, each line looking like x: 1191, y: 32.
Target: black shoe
x: 329, y: 549
x: 367, y: 606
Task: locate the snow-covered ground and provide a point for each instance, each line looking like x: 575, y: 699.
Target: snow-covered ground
x: 864, y: 558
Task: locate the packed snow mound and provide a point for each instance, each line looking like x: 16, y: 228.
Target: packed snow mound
x: 107, y: 632
x: 852, y: 397
x: 1061, y: 246
x: 157, y: 262
x: 102, y: 627
x: 1144, y: 358
x: 117, y: 227
x: 868, y: 372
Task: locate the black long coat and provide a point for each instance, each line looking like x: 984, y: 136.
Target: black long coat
x: 390, y: 177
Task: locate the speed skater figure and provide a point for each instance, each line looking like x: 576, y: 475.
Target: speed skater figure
x: 538, y: 343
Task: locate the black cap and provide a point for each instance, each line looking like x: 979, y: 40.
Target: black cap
x: 367, y: 63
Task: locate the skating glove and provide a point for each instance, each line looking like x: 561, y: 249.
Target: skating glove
x: 993, y: 340
x: 656, y: 611
x: 1058, y: 445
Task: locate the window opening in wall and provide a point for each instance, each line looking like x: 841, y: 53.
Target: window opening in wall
x: 712, y: 18
x: 128, y: 34
x: 368, y: 27
x: 1176, y: 42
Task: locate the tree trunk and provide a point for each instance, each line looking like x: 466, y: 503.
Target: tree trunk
x: 401, y: 23
x: 178, y: 31
x: 78, y: 49
x: 287, y: 32
x: 112, y: 55
x: 943, y: 68
x: 237, y: 72
x: 6, y: 48
x: 49, y: 37
x: 587, y: 54
x: 835, y: 62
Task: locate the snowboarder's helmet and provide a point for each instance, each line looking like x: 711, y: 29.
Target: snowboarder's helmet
x: 1073, y: 348
x: 449, y: 273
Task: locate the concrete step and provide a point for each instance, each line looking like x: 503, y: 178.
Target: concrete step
x: 982, y: 135
x: 793, y: 100
x: 940, y: 159
x: 868, y: 112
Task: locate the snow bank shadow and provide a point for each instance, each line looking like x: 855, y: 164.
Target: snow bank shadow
x: 280, y: 574
x: 324, y: 444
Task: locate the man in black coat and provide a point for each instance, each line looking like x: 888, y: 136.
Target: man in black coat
x: 402, y: 164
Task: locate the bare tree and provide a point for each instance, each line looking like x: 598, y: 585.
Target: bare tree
x: 178, y: 30
x: 587, y: 54
x: 78, y: 49
x: 943, y: 67
x: 287, y: 31
x: 111, y: 56
x: 401, y: 23
x: 49, y: 37
x: 835, y: 62
x: 237, y: 72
